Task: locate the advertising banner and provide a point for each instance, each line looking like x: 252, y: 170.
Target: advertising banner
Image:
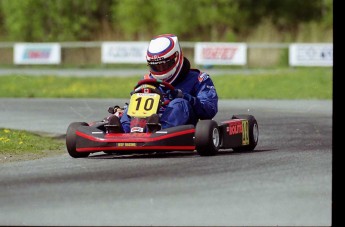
x: 124, y: 52
x: 311, y: 54
x: 210, y: 53
x: 37, y: 53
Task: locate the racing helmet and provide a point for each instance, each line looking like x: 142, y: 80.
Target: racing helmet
x: 164, y: 57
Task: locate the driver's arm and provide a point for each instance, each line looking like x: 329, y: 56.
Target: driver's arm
x: 205, y: 104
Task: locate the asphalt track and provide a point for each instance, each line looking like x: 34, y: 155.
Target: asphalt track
x: 286, y: 181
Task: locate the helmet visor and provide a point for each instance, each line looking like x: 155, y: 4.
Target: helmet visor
x: 163, y: 65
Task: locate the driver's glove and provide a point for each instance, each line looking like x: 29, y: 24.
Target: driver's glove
x: 177, y: 93
x: 189, y: 98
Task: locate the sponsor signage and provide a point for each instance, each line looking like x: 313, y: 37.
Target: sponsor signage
x: 126, y: 144
x: 37, y: 53
x: 124, y: 52
x: 210, y: 53
x: 239, y: 127
x: 311, y: 54
x: 235, y: 127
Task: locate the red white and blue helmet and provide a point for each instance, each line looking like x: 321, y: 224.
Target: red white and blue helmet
x: 164, y: 57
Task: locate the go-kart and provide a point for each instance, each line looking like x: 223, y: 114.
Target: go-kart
x: 207, y: 137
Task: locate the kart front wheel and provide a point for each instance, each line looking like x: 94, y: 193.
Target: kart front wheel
x: 71, y: 140
x: 207, y: 137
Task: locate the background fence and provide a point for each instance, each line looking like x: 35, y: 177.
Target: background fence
x: 88, y: 54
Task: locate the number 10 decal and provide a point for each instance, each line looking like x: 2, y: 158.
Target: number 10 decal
x: 143, y: 104
x: 245, y: 133
x: 147, y: 105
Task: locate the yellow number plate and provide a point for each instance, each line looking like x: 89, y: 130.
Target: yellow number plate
x: 143, y: 104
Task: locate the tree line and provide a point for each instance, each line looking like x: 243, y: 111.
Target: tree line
x: 192, y: 20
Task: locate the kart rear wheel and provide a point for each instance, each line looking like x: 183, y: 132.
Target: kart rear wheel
x: 71, y: 140
x: 253, y: 132
x: 207, y: 137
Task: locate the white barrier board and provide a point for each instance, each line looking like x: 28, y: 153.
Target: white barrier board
x: 211, y: 53
x: 37, y: 53
x: 311, y: 54
x: 124, y: 52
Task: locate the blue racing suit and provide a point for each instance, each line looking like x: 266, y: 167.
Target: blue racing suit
x: 199, y: 101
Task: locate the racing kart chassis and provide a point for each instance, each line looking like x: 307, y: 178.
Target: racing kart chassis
x: 240, y: 133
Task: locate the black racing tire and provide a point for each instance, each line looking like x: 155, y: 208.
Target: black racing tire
x: 71, y: 139
x: 207, y: 137
x: 253, y: 132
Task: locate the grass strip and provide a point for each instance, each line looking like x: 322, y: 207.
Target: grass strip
x: 21, y: 145
x: 290, y: 83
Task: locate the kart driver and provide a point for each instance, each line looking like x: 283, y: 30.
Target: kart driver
x: 195, y: 96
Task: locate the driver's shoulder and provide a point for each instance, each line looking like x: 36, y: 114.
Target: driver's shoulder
x: 199, y: 75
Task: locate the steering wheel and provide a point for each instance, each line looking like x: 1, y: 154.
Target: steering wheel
x: 153, y: 87
x: 156, y: 83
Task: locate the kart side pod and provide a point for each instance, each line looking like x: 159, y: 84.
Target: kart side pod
x: 241, y: 133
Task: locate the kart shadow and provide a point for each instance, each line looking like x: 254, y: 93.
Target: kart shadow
x: 176, y: 154
x: 172, y: 154
x: 232, y: 152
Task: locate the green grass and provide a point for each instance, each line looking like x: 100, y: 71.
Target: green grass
x: 315, y: 83
x: 26, y: 145
x: 287, y: 83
